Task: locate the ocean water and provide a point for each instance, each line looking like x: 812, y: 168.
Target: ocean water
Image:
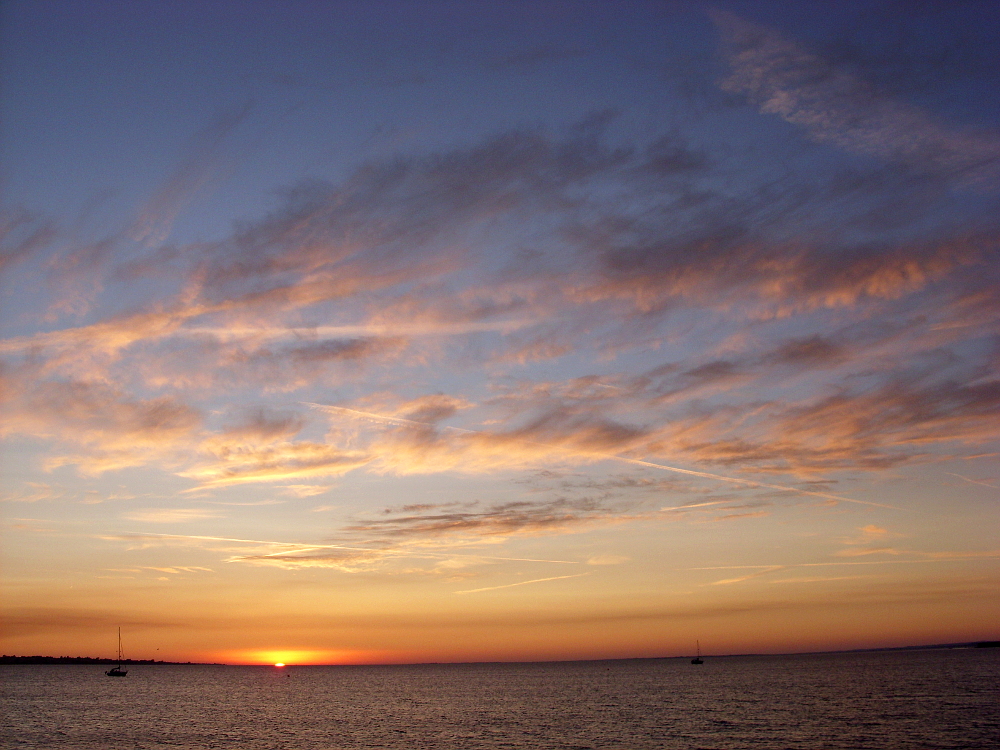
x: 915, y: 700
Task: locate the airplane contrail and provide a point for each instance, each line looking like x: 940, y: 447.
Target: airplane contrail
x: 752, y: 483
x: 519, y: 583
x: 400, y: 422
x: 693, y: 505
x: 841, y: 563
x: 970, y: 481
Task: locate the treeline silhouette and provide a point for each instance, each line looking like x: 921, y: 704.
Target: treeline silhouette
x: 5, y: 659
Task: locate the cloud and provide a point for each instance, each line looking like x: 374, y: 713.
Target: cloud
x: 608, y: 559
x: 384, y: 559
x: 102, y: 427
x: 415, y: 448
x: 171, y: 515
x: 662, y: 272
x: 279, y: 462
x: 869, y: 534
x: 432, y: 408
x: 305, y: 490
x: 815, y: 350
x: 201, y: 161
x: 345, y: 561
x: 331, y: 243
x: 862, y: 551
x: 935, y: 590
x: 805, y: 338
x: 293, y: 366
x: 871, y: 531
x: 410, y: 447
x: 903, y: 413
x: 178, y: 569
x: 367, y: 556
x: 31, y: 621
x: 263, y: 426
x: 35, y: 492
x: 22, y: 234
x: 497, y: 522
x: 837, y: 107
x: 886, y: 424
x: 734, y: 516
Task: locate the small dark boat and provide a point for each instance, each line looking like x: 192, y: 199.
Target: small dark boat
x: 118, y: 671
x: 698, y: 659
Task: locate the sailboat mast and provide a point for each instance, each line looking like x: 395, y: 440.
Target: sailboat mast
x: 697, y: 659
x: 118, y: 671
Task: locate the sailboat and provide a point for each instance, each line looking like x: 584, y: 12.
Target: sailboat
x: 698, y: 659
x: 118, y: 671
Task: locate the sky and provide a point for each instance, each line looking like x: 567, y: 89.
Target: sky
x: 394, y: 332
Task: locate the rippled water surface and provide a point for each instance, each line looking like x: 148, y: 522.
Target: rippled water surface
x: 913, y: 700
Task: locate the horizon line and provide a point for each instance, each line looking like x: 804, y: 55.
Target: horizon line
x: 981, y: 643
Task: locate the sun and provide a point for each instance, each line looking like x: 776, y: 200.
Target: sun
x: 284, y: 657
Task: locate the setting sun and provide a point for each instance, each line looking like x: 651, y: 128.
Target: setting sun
x: 284, y: 657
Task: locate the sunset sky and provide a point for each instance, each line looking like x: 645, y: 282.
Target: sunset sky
x: 350, y: 332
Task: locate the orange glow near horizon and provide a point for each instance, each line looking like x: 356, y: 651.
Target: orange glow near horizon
x: 284, y: 657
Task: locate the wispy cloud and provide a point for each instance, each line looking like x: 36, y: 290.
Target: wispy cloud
x: 320, y: 252
x: 21, y: 234
x: 518, y: 518
x: 202, y: 161
x: 305, y: 490
x: 608, y: 559
x: 863, y: 551
x: 349, y: 558
x: 279, y: 462
x: 838, y: 107
x: 870, y: 534
x: 171, y: 515
x: 555, y: 437
x: 35, y: 492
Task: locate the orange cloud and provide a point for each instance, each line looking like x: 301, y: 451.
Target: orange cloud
x: 279, y: 462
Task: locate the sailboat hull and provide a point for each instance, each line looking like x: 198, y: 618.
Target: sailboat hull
x: 118, y: 671
x: 697, y: 659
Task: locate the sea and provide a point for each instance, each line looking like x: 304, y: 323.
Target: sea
x: 912, y: 700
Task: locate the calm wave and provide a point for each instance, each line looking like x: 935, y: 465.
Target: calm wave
x: 906, y: 700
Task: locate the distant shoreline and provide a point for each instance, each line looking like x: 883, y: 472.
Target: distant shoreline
x: 5, y: 659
